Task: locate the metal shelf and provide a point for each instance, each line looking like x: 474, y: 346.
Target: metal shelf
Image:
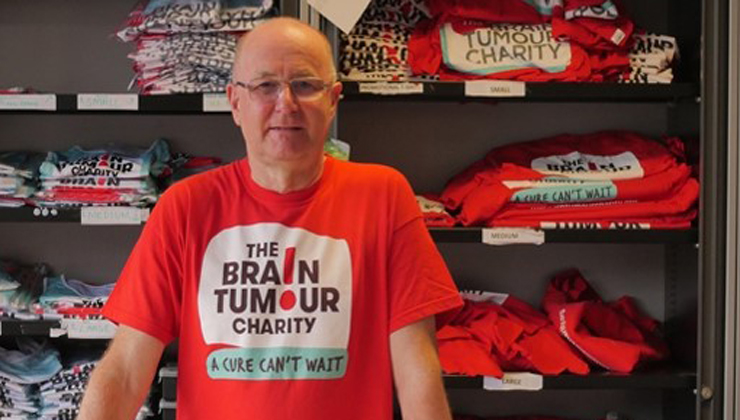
x: 537, y: 92
x: 660, y: 379
x: 207, y: 103
x: 474, y: 235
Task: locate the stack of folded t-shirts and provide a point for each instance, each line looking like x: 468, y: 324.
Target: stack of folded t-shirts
x: 525, y: 40
x: 63, y: 298
x: 21, y: 371
x: 651, y: 59
x: 183, y: 165
x: 494, y: 333
x: 20, y: 287
x: 434, y: 212
x: 377, y: 47
x: 61, y: 395
x: 614, y: 335
x: 186, y: 46
x: 18, y: 172
x: 112, y: 176
x: 606, y: 180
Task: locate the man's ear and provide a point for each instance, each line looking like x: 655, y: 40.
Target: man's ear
x: 233, y: 97
x: 336, y: 94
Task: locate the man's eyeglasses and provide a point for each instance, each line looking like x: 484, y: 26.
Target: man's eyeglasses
x: 267, y: 90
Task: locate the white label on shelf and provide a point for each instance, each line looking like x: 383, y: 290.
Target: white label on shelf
x: 513, y: 382
x: 89, y: 328
x: 216, y: 102
x: 392, y: 88
x: 113, y: 215
x: 511, y: 236
x: 495, y: 88
x: 57, y: 332
x: 108, y: 101
x: 43, y: 102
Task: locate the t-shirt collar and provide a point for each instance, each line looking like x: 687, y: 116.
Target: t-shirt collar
x: 293, y: 197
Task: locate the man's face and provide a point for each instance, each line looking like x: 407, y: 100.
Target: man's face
x: 284, y: 128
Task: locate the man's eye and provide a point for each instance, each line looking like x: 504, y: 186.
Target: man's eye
x: 306, y: 86
x: 267, y: 87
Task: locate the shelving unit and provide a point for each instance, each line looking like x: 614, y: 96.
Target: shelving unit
x: 428, y: 135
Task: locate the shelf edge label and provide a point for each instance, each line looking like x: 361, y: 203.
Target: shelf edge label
x: 216, y: 102
x: 495, y: 89
x: 29, y: 102
x: 512, y: 236
x: 514, y: 382
x: 57, y: 332
x: 113, y: 215
x: 108, y: 102
x: 391, y: 88
x: 89, y: 328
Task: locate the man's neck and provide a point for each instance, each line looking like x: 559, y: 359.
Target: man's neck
x: 287, y: 177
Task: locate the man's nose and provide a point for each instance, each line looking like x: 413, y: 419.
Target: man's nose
x: 286, y: 100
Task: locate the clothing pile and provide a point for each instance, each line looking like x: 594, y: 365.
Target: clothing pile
x: 21, y: 372
x: 36, y: 385
x: 434, y: 212
x: 496, y: 333
x: 538, y: 41
x: 103, y: 177
x: 20, y: 287
x: 18, y: 172
x: 187, y: 46
x: 377, y: 47
x: 605, y: 180
x: 30, y: 292
x: 183, y: 165
x: 613, y: 335
x: 651, y: 59
x: 64, y: 298
x: 61, y: 395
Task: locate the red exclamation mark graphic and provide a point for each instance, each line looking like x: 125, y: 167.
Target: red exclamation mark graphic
x: 287, y: 300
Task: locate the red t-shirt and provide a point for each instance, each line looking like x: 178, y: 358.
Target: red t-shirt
x: 284, y: 303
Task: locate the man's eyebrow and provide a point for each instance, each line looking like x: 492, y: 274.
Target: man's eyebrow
x: 264, y: 74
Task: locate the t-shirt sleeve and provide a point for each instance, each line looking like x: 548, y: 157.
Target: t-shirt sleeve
x: 147, y: 295
x: 420, y: 283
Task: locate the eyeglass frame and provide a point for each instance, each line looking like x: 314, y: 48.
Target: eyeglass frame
x: 251, y: 89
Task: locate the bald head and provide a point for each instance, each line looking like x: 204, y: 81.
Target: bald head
x: 282, y: 32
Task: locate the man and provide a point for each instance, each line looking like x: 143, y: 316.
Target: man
x: 300, y: 287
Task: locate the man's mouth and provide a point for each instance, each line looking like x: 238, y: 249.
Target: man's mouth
x: 286, y: 128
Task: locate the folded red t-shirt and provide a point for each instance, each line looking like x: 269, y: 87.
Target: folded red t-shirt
x: 683, y: 201
x: 606, y: 155
x: 459, y: 49
x: 514, y: 184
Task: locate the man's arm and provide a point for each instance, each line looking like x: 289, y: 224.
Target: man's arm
x: 121, y: 380
x: 417, y: 372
